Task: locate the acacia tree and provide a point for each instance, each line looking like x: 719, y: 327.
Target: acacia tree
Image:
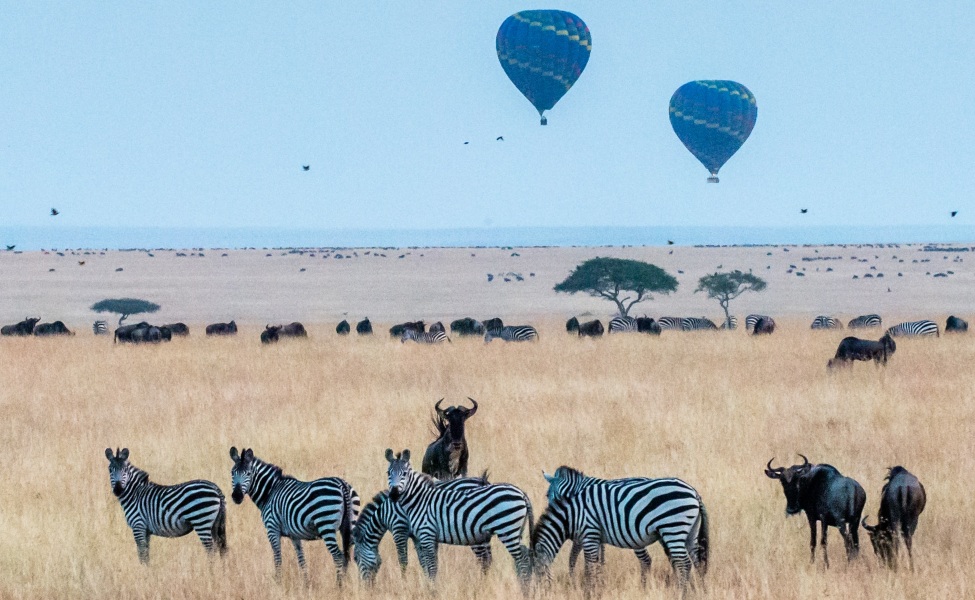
x: 725, y: 287
x: 124, y: 307
x: 625, y: 282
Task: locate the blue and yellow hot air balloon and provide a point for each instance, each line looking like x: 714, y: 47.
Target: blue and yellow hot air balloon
x: 543, y: 52
x: 713, y: 119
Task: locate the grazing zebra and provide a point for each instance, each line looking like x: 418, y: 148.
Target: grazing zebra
x: 298, y: 510
x: 670, y: 323
x: 424, y: 337
x: 915, y: 328
x: 750, y: 321
x: 382, y: 515
x: 730, y: 324
x: 517, y: 333
x: 864, y: 321
x: 695, y: 324
x: 100, y: 327
x: 627, y: 513
x: 825, y: 322
x: 167, y: 510
x: 622, y: 324
x: 462, y: 517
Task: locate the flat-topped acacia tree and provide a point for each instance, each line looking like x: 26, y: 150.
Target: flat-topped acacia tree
x: 124, y: 307
x: 725, y: 287
x: 623, y: 281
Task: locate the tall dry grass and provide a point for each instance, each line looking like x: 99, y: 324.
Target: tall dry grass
x: 710, y: 408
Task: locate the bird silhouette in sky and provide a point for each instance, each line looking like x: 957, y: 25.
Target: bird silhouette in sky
x: 500, y: 138
x: 81, y: 262
x: 55, y: 212
x: 803, y: 210
x: 954, y: 212
x: 465, y: 143
x: 305, y: 167
x: 11, y: 247
x: 670, y: 242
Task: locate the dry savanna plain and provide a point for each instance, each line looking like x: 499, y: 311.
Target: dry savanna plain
x: 710, y: 408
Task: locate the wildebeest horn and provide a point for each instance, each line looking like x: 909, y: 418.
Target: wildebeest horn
x: 868, y: 527
x: 473, y: 410
x: 439, y: 410
x: 805, y: 461
x: 770, y: 472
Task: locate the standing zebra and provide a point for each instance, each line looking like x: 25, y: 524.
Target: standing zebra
x: 825, y: 322
x: 298, y: 510
x: 100, y: 327
x: 696, y: 324
x: 438, y: 515
x: 670, y: 323
x: 864, y: 321
x: 167, y: 510
x: 425, y: 337
x: 627, y: 513
x: 730, y: 324
x: 750, y: 321
x: 622, y: 324
x: 382, y: 515
x: 915, y: 328
x: 517, y: 333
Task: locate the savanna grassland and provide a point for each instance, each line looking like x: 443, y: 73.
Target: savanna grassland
x: 711, y: 408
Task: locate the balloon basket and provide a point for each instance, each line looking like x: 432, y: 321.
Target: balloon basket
x: 713, y: 179
x: 544, y: 121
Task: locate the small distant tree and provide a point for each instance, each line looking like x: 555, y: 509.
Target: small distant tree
x: 725, y: 287
x: 625, y: 282
x: 124, y: 307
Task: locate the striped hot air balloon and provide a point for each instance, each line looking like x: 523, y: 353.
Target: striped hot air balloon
x: 543, y: 52
x: 713, y: 119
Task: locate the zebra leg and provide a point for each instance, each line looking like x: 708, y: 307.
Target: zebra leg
x: 680, y: 560
x: 426, y: 553
x: 142, y: 544
x: 483, y: 554
x: 512, y: 543
x: 591, y: 548
x: 401, y: 539
x: 331, y: 542
x: 574, y: 556
x: 644, y: 557
x: 299, y: 551
x: 274, y: 537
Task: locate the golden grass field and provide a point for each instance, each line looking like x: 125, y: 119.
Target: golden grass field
x: 710, y: 408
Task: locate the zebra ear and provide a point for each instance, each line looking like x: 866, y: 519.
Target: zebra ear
x: 124, y: 454
x: 406, y: 455
x: 248, y: 454
x: 108, y: 453
x: 548, y: 478
x: 234, y: 456
x: 389, y: 454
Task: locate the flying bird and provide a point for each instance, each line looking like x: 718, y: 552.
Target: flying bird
x: 803, y: 210
x: 55, y: 212
x: 465, y: 143
x: 81, y: 262
x: 670, y: 242
x: 11, y: 247
x: 305, y: 167
x: 954, y: 212
x: 500, y: 138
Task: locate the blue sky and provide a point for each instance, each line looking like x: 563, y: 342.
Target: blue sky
x: 178, y: 114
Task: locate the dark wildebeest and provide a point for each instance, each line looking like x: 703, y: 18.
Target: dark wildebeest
x: 852, y: 348
x: 55, y: 328
x: 901, y: 502
x: 270, y: 334
x: 446, y: 457
x: 493, y: 324
x: 466, y: 326
x: 364, y: 327
x: 25, y: 327
x: 222, y: 328
x: 956, y: 325
x: 295, y: 329
x: 648, y: 325
x: 142, y: 333
x: 437, y: 328
x: 591, y: 329
x: 178, y: 329
x: 125, y: 332
x: 572, y: 325
x: 396, y: 331
x: 764, y: 326
x: 826, y: 496
x: 165, y: 333
x: 343, y: 328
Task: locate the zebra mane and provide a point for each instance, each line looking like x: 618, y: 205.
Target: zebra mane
x: 276, y: 471
x: 426, y: 480
x: 138, y: 475
x: 566, y: 472
x: 547, y: 515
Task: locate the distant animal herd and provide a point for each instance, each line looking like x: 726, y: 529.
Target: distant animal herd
x: 443, y: 505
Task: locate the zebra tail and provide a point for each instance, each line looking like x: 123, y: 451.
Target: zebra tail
x: 703, y: 544
x: 348, y: 520
x: 530, y: 548
x: 220, y: 527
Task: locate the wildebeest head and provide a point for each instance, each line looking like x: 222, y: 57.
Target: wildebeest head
x: 882, y: 540
x: 399, y: 472
x: 888, y: 342
x: 241, y: 472
x: 790, y: 478
x: 270, y: 334
x: 232, y: 326
x: 452, y: 419
x: 119, y: 470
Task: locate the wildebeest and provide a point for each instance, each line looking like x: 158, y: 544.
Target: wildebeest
x: 591, y: 329
x: 25, y: 327
x: 55, y: 328
x: 572, y: 325
x: 270, y: 334
x: 467, y: 326
x: 396, y: 331
x: 165, y: 333
x: 901, y: 502
x: 764, y: 326
x: 295, y: 329
x: 222, y: 328
x: 826, y: 496
x: 956, y: 325
x: 493, y: 324
x: 852, y: 348
x: 364, y: 327
x: 648, y: 325
x: 446, y: 457
x: 343, y: 328
x: 178, y: 329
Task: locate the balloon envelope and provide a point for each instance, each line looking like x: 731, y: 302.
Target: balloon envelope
x: 713, y: 119
x: 543, y: 52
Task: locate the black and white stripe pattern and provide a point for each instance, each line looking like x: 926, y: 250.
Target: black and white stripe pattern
x: 622, y: 325
x: 750, y: 321
x: 826, y: 322
x: 167, y: 510
x: 424, y: 337
x: 697, y: 324
x: 517, y: 333
x: 382, y: 515
x: 100, y: 328
x: 298, y: 510
x: 864, y: 321
x: 666, y: 323
x: 730, y: 324
x: 627, y: 513
x: 462, y: 517
x: 915, y: 328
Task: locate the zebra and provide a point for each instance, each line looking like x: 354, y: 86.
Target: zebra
x: 825, y: 322
x: 382, y: 515
x: 695, y: 324
x: 517, y: 333
x: 915, y: 328
x: 670, y: 323
x: 750, y: 321
x: 730, y: 324
x: 100, y: 327
x: 622, y: 324
x: 167, y: 510
x: 463, y: 517
x: 298, y: 510
x: 424, y: 337
x: 864, y: 321
x: 626, y: 513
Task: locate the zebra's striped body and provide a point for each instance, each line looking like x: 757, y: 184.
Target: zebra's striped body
x: 750, y: 321
x: 670, y: 323
x: 864, y: 321
x: 697, y: 324
x: 730, y: 324
x: 167, y: 510
x: 298, y: 510
x: 915, y: 328
x: 382, y: 515
x: 100, y: 328
x: 517, y: 333
x: 627, y: 513
x: 825, y: 322
x: 461, y: 517
x: 622, y: 325
x: 425, y: 337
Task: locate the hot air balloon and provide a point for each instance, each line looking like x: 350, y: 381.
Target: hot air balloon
x: 543, y: 53
x: 713, y: 119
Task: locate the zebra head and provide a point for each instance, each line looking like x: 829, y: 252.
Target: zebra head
x: 565, y: 483
x: 366, y: 535
x: 119, y: 469
x: 400, y: 472
x: 241, y: 473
